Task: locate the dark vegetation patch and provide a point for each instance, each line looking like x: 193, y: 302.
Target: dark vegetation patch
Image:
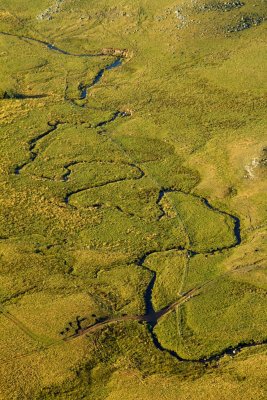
x: 12, y: 94
x: 219, y: 6
x: 246, y: 22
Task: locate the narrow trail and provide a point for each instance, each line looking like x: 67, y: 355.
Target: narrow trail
x: 190, y: 253
x: 151, y: 316
x: 21, y: 326
x: 236, y: 220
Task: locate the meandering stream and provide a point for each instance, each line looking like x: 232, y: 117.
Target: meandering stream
x: 84, y: 88
x: 151, y: 316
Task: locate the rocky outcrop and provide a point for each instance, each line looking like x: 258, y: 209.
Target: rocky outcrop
x: 116, y: 52
x: 246, y: 22
x: 48, y: 13
x: 217, y: 6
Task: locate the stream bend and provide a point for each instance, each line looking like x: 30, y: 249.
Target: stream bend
x: 151, y: 317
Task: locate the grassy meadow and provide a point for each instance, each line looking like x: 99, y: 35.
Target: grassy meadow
x: 147, y: 187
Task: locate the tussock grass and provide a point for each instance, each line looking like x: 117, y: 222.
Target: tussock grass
x: 82, y: 213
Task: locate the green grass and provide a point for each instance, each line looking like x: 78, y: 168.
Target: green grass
x: 169, y: 267
x: 194, y: 93
x: 236, y: 313
x: 207, y: 228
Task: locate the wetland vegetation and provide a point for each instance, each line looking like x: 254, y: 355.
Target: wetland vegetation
x: 132, y: 204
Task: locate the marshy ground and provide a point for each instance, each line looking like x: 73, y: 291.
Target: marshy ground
x: 133, y: 167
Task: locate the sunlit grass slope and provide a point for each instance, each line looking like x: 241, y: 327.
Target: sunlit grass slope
x: 123, y: 197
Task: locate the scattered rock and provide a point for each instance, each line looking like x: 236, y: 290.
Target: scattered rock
x: 246, y: 22
x: 226, y: 6
x: 54, y: 9
x: 115, y: 52
x: 181, y: 17
x: 263, y: 159
x: 251, y: 167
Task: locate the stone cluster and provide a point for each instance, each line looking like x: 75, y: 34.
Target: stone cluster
x: 54, y: 9
x: 226, y: 6
x: 246, y: 22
